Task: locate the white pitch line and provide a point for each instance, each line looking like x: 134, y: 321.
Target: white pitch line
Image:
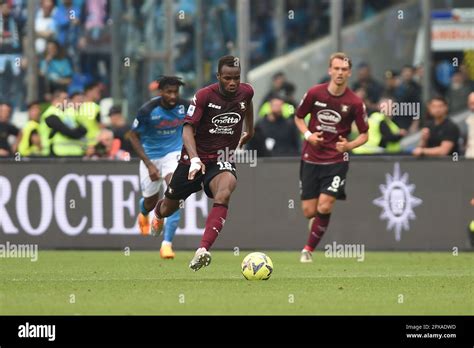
x: 204, y: 279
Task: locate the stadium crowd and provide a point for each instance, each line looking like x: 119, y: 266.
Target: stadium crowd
x: 68, y: 33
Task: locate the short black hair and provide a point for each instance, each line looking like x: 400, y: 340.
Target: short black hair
x: 10, y: 105
x: 91, y: 85
x: 58, y: 91
x: 278, y: 75
x: 231, y: 61
x: 34, y: 102
x: 114, y: 110
x: 75, y: 93
x: 439, y: 98
x: 164, y: 81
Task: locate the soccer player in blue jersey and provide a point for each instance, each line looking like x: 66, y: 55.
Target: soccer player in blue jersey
x: 156, y: 136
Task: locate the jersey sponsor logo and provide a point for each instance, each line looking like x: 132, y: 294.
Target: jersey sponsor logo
x: 329, y: 117
x: 318, y: 103
x: 224, y: 123
x: 191, y: 110
x: 214, y: 106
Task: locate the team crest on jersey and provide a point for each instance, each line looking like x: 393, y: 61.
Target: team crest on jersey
x: 344, y: 108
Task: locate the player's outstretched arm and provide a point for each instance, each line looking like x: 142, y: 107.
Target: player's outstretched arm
x: 190, y: 145
x: 249, y: 128
x: 137, y: 146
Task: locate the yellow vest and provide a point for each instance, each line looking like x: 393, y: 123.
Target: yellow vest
x: 86, y: 116
x: 286, y: 111
x: 372, y: 146
x: 24, y: 147
x: 59, y: 144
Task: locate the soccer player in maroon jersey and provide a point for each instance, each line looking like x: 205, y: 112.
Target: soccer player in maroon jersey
x: 213, y: 126
x: 324, y: 161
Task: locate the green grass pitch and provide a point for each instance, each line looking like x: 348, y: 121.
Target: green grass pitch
x: 109, y: 282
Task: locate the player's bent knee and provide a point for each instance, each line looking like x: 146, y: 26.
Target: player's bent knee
x: 325, y: 207
x: 309, y: 212
x: 223, y: 196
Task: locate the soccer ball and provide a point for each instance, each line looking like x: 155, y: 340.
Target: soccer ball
x: 257, y: 266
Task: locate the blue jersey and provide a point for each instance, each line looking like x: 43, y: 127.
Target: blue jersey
x: 160, y: 129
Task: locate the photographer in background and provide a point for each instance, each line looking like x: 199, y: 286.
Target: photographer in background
x: 107, y: 148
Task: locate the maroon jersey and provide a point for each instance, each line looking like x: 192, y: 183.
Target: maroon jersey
x: 333, y: 115
x: 217, y: 120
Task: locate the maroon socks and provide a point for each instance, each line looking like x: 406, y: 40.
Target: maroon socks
x: 214, y: 223
x: 319, y: 226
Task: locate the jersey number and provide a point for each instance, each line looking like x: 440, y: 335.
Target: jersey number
x: 336, y: 182
x: 225, y: 166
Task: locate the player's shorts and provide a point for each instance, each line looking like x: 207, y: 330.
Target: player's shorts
x: 166, y: 165
x: 181, y: 188
x: 329, y: 179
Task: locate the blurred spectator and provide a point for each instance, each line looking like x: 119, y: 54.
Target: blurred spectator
x: 61, y: 134
x: 55, y: 67
x: 390, y: 84
x: 468, y: 78
x: 10, y: 52
x: 407, y: 92
x: 74, y: 105
x: 384, y: 134
x: 67, y: 19
x: 280, y: 88
x: 444, y: 70
x: 470, y: 127
x: 89, y: 112
x: 95, y: 20
x: 372, y: 87
x: 8, y: 132
x: 29, y: 143
x: 153, y: 89
x: 441, y: 136
x: 107, y: 147
x: 457, y: 93
x: 120, y: 128
x: 76, y: 99
x: 280, y: 135
x: 45, y: 25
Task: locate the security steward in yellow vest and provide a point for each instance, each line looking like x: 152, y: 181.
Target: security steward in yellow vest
x: 30, y: 140
x: 60, y: 132
x: 384, y: 136
x: 89, y: 112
